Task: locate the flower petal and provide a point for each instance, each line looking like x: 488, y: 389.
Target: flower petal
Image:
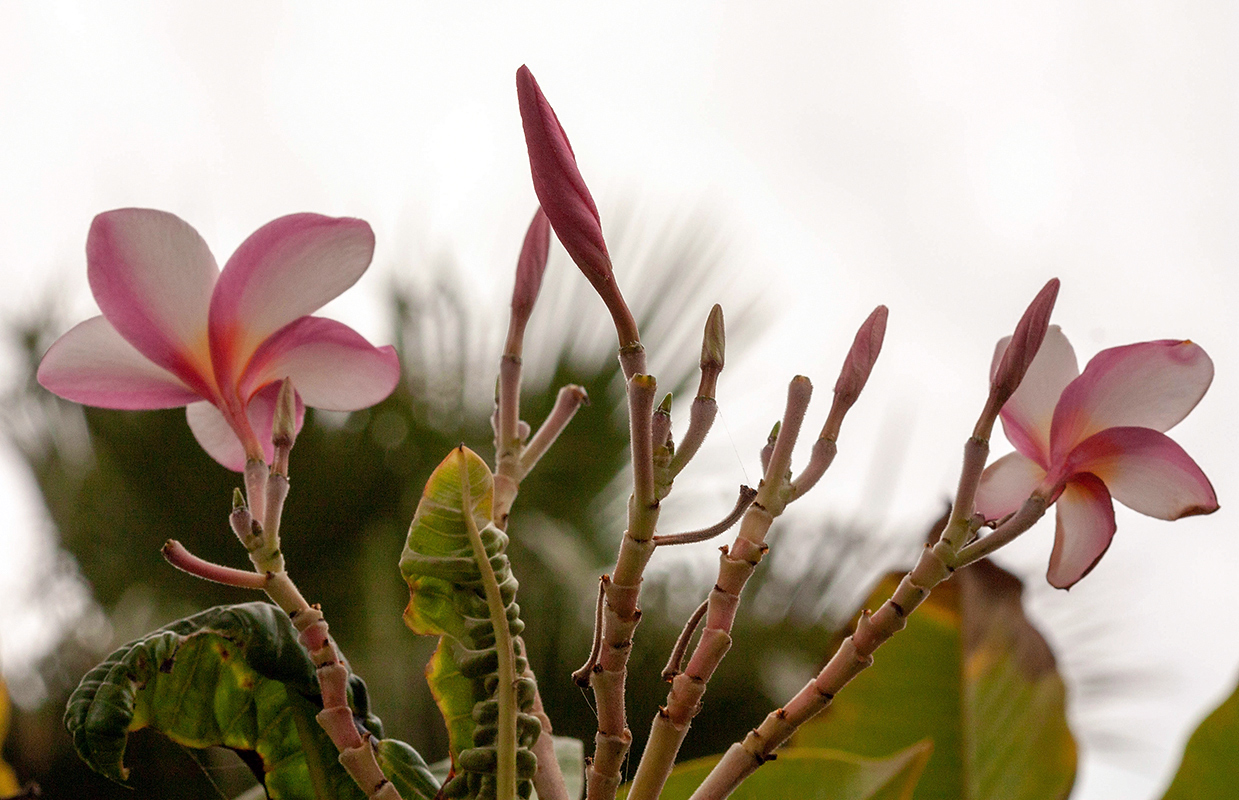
x: 331, y: 365
x: 1146, y: 471
x: 1006, y: 484
x: 1147, y: 385
x: 152, y: 275
x: 287, y: 269
x: 220, y: 441
x: 93, y: 365
x: 1027, y: 416
x: 215, y: 435
x: 1085, y: 529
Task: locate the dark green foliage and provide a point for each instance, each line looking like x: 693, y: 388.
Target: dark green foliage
x: 234, y: 677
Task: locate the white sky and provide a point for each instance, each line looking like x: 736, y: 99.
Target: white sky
x: 945, y: 159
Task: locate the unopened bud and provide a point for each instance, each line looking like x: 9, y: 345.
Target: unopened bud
x: 660, y: 429
x: 856, y: 370
x: 714, y: 342
x: 284, y: 423
x: 558, y: 183
x: 567, y: 202
x: 530, y: 267
x: 768, y: 450
x: 1025, y: 342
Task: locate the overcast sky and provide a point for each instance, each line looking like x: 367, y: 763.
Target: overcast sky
x: 945, y: 159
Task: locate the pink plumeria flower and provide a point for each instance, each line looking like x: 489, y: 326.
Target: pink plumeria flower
x: 1084, y: 438
x: 178, y: 331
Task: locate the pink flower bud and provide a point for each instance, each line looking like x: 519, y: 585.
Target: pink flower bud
x: 863, y: 355
x: 1025, y: 342
x: 530, y: 267
x: 856, y: 368
x: 568, y: 205
x: 558, y: 183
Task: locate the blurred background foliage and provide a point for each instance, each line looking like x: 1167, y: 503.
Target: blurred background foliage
x: 118, y: 484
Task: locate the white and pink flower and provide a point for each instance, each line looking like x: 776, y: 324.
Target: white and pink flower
x: 1082, y: 439
x: 178, y: 331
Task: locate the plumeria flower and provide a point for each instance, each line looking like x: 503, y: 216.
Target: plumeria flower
x: 1084, y: 438
x: 178, y: 331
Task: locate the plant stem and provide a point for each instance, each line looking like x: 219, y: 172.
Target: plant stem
x: 855, y: 654
x: 621, y: 611
x: 736, y: 564
x: 507, y: 439
x: 852, y: 657
x: 336, y: 719
x: 1033, y: 509
x: 175, y: 554
x: 505, y: 691
x: 722, y: 526
x: 567, y: 402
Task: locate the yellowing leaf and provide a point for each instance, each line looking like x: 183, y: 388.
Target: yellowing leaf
x: 807, y: 773
x: 973, y: 675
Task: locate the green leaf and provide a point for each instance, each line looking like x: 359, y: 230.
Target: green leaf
x: 973, y: 675
x: 453, y: 694
x: 810, y: 773
x: 447, y: 599
x: 1210, y: 769
x: 236, y: 677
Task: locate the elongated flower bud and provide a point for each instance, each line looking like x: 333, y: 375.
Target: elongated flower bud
x: 714, y: 342
x: 1020, y: 352
x: 529, y: 270
x: 531, y: 265
x: 1025, y: 342
x: 566, y: 200
x: 558, y: 182
x: 856, y: 369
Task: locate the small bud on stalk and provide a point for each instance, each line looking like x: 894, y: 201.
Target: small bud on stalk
x: 660, y: 430
x: 713, y: 349
x: 1025, y: 342
x: 856, y: 369
x: 284, y: 426
x: 529, y: 270
x: 768, y: 450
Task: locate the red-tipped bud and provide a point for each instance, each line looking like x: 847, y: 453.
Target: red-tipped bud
x: 856, y: 368
x: 558, y: 183
x: 530, y: 267
x: 1025, y: 343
